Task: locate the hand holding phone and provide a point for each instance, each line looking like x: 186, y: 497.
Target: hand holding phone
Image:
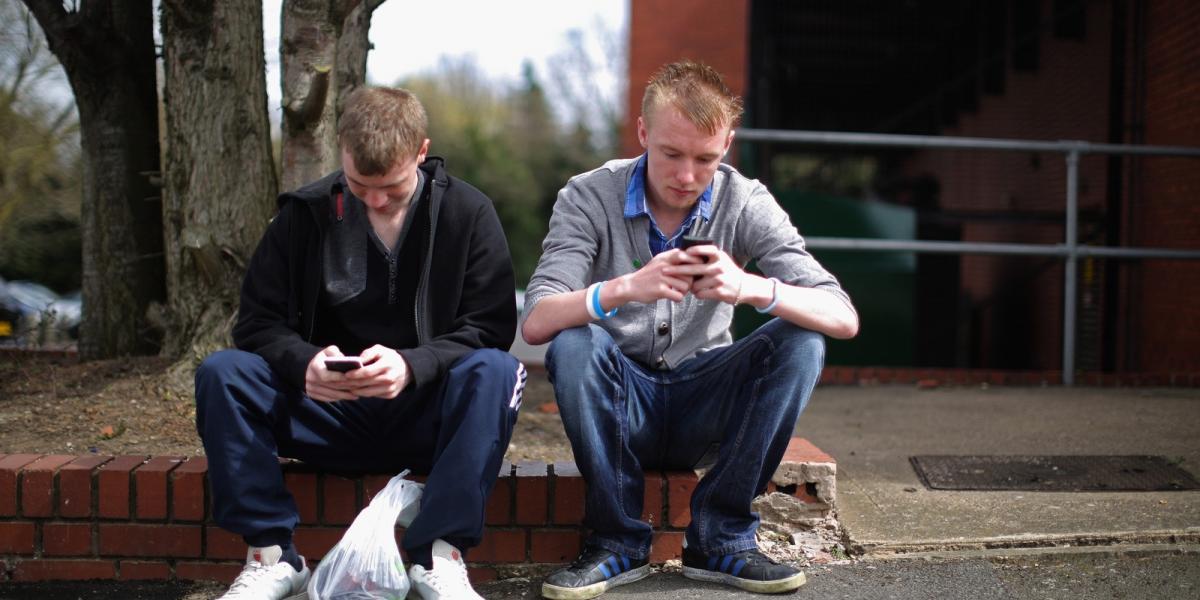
x: 688, y: 241
x: 343, y: 364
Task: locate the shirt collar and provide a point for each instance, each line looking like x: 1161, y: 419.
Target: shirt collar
x: 635, y: 194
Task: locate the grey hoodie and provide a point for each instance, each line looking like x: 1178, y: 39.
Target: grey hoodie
x: 590, y: 240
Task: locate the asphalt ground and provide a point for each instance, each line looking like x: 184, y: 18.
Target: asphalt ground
x: 1158, y: 574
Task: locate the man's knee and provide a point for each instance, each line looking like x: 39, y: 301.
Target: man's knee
x: 583, y: 364
x: 807, y: 344
x: 798, y: 358
x: 480, y: 368
x: 576, y: 347
x: 487, y: 362
x: 221, y: 366
x: 224, y: 369
x: 219, y: 372
x: 796, y: 344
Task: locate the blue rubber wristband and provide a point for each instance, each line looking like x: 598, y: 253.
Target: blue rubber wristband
x: 597, y: 308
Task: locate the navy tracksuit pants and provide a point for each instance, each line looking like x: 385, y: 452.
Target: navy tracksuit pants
x: 456, y: 431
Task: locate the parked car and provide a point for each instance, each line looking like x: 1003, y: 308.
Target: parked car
x: 10, y: 314
x: 36, y: 314
x: 69, y: 308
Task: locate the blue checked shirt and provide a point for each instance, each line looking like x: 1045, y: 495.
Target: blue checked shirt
x: 635, y: 206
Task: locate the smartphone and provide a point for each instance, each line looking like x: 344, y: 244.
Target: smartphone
x: 689, y: 240
x: 343, y: 364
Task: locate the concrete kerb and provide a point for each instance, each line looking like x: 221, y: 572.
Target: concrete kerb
x: 1033, y: 542
x: 1005, y: 553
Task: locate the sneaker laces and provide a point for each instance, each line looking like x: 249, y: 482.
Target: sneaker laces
x: 463, y: 581
x: 250, y: 575
x: 443, y: 582
x: 587, y: 556
x: 755, y: 556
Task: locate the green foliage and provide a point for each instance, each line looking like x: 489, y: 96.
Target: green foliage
x: 40, y: 160
x: 507, y: 143
x: 45, y: 248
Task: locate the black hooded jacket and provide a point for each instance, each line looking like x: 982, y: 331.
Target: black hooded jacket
x: 464, y: 299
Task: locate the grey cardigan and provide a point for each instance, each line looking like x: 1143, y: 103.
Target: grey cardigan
x: 590, y: 240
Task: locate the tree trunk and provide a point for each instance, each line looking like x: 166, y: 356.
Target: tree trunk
x: 323, y: 53
x: 219, y: 178
x: 352, y: 49
x: 107, y: 51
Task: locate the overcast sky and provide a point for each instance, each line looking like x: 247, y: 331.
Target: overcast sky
x: 411, y: 37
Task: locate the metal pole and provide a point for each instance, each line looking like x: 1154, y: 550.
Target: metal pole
x: 1071, y: 251
x: 1068, y: 366
x: 931, y: 247
x: 839, y: 138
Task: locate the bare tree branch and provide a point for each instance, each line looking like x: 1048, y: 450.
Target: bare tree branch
x: 18, y: 80
x: 65, y: 34
x: 50, y: 14
x: 65, y: 119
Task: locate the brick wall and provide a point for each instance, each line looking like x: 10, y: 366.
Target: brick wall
x: 1066, y: 97
x: 1165, y: 315
x: 140, y: 517
x: 664, y: 31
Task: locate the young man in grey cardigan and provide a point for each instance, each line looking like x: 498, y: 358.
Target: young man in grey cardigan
x: 643, y: 364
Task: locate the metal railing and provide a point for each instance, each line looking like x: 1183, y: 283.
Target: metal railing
x: 1070, y: 250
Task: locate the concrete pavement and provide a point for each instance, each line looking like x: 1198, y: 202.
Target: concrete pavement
x: 884, y: 508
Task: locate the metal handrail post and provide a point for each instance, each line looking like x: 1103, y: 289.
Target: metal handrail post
x: 1068, y: 367
x: 1071, y: 251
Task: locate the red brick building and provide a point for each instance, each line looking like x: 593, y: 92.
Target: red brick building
x: 1114, y: 71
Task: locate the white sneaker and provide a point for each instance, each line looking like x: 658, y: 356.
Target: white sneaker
x: 446, y: 580
x: 265, y: 577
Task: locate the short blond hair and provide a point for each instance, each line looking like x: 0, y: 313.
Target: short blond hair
x: 699, y: 93
x: 381, y: 126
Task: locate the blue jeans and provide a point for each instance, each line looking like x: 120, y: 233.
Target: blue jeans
x: 455, y: 430
x: 739, y: 404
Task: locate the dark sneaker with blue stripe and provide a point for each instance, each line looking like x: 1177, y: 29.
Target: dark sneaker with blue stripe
x: 594, y: 572
x: 748, y: 569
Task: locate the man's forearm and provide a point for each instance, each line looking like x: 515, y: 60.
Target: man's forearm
x: 811, y: 308
x: 554, y: 314
x: 569, y: 309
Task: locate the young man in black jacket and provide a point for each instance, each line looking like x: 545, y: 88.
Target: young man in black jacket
x: 394, y: 262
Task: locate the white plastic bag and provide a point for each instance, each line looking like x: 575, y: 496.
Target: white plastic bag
x: 366, y: 563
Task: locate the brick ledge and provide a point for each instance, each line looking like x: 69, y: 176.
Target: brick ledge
x: 147, y: 518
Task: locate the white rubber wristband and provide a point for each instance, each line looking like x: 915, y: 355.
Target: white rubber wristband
x: 589, y: 303
x: 774, y: 298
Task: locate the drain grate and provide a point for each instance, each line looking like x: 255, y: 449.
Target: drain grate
x: 1053, y: 473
